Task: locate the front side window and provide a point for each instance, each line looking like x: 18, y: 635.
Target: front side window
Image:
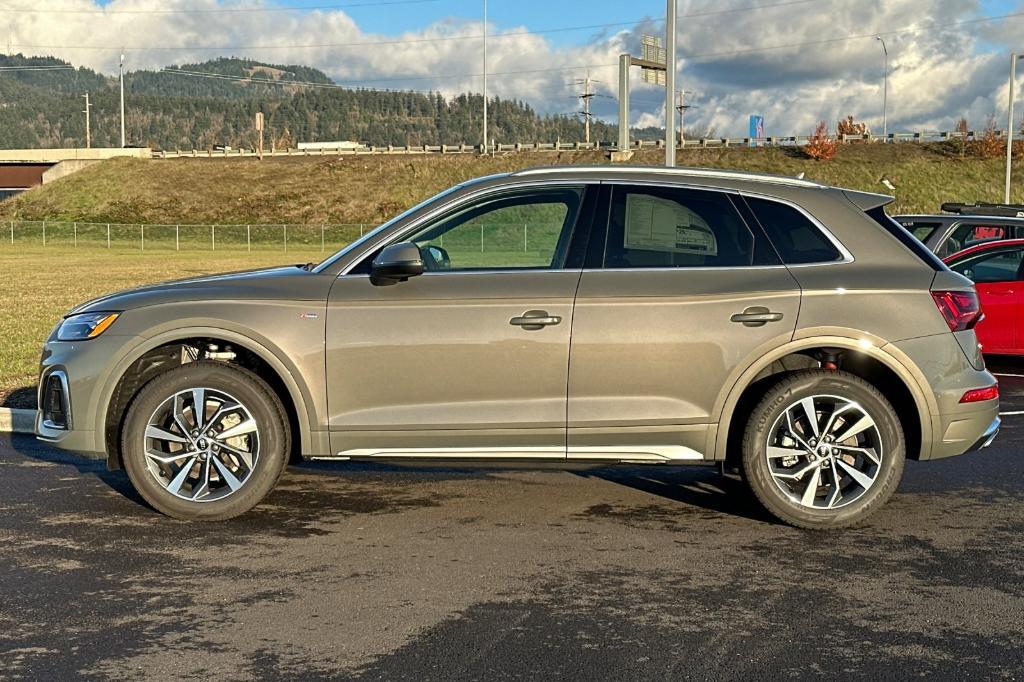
x: 528, y: 230
x: 659, y: 227
x: 793, y: 235
x: 989, y: 268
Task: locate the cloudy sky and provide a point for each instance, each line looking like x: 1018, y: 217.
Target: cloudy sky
x: 793, y: 61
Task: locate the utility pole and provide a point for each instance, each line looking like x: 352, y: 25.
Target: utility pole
x: 681, y: 108
x: 1009, y: 127
x: 885, y: 91
x: 88, y: 136
x: 259, y: 131
x: 121, y: 80
x: 585, y: 98
x: 484, y: 150
x: 670, y: 83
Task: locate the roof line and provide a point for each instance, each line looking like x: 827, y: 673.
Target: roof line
x: 688, y: 172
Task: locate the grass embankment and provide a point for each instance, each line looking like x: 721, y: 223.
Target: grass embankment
x: 369, y: 189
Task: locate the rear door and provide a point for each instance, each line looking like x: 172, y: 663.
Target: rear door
x: 678, y: 289
x: 997, y: 277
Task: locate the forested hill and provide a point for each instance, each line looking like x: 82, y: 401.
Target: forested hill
x: 43, y: 108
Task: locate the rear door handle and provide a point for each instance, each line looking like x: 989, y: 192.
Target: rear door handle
x: 532, y: 320
x: 756, y: 316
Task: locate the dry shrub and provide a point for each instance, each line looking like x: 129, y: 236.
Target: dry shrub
x: 989, y: 145
x: 820, y: 146
x: 848, y: 126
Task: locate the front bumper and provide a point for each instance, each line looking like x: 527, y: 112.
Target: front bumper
x: 84, y: 368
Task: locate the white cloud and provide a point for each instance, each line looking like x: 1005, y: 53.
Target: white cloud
x: 937, y: 74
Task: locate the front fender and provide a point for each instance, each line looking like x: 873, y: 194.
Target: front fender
x: 308, y: 399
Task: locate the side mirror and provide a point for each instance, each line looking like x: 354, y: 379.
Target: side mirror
x: 396, y: 263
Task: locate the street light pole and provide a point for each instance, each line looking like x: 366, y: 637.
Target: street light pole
x: 485, y: 78
x: 670, y: 83
x: 885, y: 91
x: 1009, y: 127
x: 121, y: 79
x: 88, y: 137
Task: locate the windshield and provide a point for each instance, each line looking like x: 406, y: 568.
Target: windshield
x: 370, y: 235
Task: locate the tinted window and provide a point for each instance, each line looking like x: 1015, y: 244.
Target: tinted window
x: 527, y: 230
x: 657, y: 227
x: 920, y: 229
x: 1001, y: 266
x: 796, y: 238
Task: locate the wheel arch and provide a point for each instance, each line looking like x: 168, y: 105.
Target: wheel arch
x: 875, y: 350
x: 292, y: 390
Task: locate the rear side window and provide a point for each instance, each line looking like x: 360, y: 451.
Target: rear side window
x: 923, y: 230
x: 879, y: 215
x: 795, y: 237
x: 659, y: 227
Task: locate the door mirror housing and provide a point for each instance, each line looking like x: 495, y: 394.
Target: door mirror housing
x: 397, y: 263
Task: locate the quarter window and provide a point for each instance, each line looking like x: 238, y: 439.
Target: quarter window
x: 658, y: 227
x: 795, y: 237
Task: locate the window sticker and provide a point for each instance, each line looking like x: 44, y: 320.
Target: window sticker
x: 656, y: 224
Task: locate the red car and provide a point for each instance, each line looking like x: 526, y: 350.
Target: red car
x: 996, y: 269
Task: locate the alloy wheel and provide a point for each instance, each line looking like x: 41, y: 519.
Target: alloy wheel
x: 824, y: 452
x: 201, y: 444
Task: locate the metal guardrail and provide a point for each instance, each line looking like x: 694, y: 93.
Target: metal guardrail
x: 636, y: 145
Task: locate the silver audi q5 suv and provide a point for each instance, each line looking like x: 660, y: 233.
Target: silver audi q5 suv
x: 583, y: 316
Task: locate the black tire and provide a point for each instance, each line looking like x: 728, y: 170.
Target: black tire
x: 772, y: 408
x: 264, y: 407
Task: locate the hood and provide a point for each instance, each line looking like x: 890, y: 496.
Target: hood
x: 292, y: 282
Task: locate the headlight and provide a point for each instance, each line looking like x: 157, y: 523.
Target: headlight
x: 85, y: 326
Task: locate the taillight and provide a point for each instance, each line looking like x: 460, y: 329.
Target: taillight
x: 960, y: 309
x: 976, y: 395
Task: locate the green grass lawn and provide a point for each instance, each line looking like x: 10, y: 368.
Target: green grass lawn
x: 42, y: 284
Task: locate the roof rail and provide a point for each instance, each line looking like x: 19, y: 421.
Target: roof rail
x: 711, y: 173
x: 982, y: 208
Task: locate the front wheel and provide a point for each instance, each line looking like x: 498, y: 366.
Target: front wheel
x: 205, y: 441
x: 823, y: 449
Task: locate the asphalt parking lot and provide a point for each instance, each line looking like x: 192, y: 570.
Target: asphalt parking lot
x: 352, y: 570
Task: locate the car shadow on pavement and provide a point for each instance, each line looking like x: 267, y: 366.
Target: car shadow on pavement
x: 30, y: 448
x: 687, y: 487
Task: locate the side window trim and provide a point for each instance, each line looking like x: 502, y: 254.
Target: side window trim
x: 847, y: 257
x: 449, y: 209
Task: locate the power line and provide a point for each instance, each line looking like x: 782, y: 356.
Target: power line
x: 218, y: 10
x: 36, y: 68
x: 440, y: 39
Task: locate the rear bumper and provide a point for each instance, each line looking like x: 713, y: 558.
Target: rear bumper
x: 967, y: 431
x: 986, y: 438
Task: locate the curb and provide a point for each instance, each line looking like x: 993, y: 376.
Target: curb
x: 17, y: 421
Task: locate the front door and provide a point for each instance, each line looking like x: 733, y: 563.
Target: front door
x: 682, y: 292
x: 470, y: 358
x: 996, y: 277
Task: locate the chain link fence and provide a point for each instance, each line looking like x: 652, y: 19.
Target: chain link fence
x: 326, y: 237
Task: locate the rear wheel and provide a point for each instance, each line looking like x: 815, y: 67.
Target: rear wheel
x: 205, y: 441
x: 823, y: 449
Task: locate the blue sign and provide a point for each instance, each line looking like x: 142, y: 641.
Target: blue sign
x: 756, y: 128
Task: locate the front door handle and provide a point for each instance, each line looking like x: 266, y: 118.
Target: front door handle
x: 532, y: 320
x: 756, y: 316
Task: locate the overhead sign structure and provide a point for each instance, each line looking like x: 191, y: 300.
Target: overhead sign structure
x: 653, y: 51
